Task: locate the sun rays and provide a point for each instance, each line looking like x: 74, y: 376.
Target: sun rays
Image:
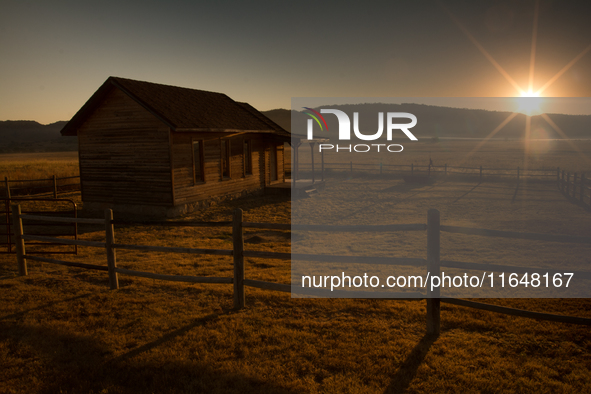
x: 530, y: 92
x: 532, y: 60
x: 482, y: 50
x: 528, y: 101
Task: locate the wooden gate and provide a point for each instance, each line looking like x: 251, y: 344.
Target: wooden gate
x: 39, y: 206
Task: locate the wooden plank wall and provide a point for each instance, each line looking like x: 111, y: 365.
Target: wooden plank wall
x: 288, y: 152
x: 124, y: 155
x: 185, y: 191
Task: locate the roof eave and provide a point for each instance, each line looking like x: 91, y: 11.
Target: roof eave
x: 71, y: 128
x: 145, y: 105
x: 217, y: 130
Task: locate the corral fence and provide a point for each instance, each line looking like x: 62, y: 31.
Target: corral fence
x: 34, y: 206
x: 353, y: 168
x: 55, y: 185
x: 575, y: 186
x: 239, y: 282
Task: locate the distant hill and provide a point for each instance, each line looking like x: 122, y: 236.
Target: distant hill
x: 30, y: 136
x: 280, y: 116
x: 433, y: 121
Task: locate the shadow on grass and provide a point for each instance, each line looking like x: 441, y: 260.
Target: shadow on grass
x: 165, y: 338
x: 80, y: 363
x: 465, y: 194
x: 516, y: 191
x: 49, y: 304
x: 408, y: 370
x: 577, y: 200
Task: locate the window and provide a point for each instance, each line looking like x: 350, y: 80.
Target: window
x: 247, y: 156
x: 198, y: 173
x: 225, y: 158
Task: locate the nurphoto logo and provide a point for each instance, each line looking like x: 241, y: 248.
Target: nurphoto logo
x: 392, y: 125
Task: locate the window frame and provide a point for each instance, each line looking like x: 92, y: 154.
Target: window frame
x: 201, y: 143
x: 225, y: 158
x: 247, y: 157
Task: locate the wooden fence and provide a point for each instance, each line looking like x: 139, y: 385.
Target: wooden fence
x: 433, y: 261
x: 574, y: 186
x: 38, y: 186
x: 44, y: 228
x: 479, y: 172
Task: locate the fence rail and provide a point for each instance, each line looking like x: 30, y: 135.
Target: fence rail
x: 516, y: 235
x: 7, y: 240
x: 239, y: 282
x: 574, y: 186
x: 445, y: 170
x: 52, y: 184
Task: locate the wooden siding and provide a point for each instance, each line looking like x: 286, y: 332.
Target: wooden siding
x: 186, y: 191
x: 280, y: 157
x: 124, y: 155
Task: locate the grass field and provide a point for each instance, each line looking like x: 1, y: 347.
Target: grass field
x: 38, y: 165
x: 63, y: 330
x: 35, y: 166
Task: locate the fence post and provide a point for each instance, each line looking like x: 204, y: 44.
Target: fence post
x: 111, y: 253
x: 7, y: 187
x: 8, y: 235
x: 433, y: 253
x: 238, y: 254
x: 18, y: 240
x: 54, y: 187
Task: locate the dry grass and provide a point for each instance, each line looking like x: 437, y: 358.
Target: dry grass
x: 38, y: 165
x: 62, y: 330
x: 28, y: 166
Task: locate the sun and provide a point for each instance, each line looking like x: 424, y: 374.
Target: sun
x: 529, y: 105
x: 530, y: 93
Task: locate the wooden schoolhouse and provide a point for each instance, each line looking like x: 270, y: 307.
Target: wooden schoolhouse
x: 147, y: 148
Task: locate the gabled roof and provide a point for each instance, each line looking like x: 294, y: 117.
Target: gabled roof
x: 182, y: 109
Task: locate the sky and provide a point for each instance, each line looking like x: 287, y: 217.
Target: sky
x: 55, y: 54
